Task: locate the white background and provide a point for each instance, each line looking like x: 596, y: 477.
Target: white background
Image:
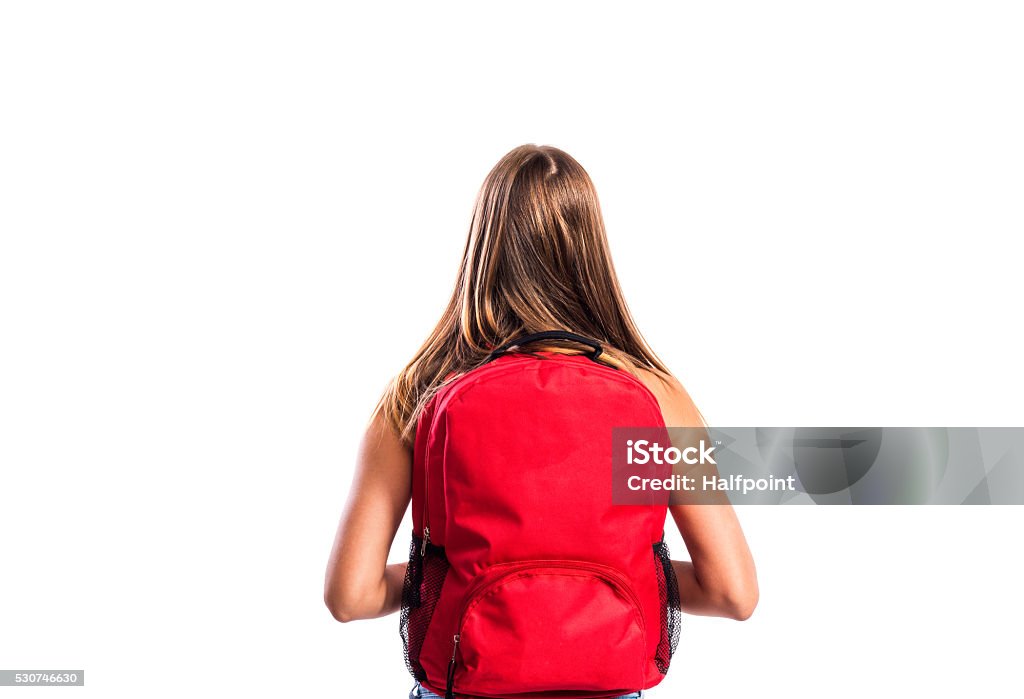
x: 225, y: 225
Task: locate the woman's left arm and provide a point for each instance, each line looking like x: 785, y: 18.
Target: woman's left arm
x: 359, y: 583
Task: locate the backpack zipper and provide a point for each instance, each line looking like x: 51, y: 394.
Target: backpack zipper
x: 426, y: 506
x: 617, y: 579
x: 449, y: 692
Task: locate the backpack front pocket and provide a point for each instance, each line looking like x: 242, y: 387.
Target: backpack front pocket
x: 546, y: 626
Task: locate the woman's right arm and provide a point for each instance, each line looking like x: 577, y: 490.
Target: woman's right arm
x: 720, y: 579
x: 360, y: 584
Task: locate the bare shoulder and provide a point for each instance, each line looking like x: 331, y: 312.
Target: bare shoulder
x: 677, y: 407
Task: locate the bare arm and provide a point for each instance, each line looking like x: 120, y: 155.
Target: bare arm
x: 359, y: 583
x: 720, y: 580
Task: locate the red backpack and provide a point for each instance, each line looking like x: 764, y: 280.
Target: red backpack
x: 524, y: 579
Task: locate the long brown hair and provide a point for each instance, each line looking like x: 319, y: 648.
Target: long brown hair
x: 536, y: 259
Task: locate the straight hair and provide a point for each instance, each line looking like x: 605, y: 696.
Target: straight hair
x: 536, y: 259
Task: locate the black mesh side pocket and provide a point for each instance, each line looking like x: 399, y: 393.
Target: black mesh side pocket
x: 671, y: 616
x: 420, y: 592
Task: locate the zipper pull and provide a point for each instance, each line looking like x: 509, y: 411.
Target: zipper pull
x: 450, y: 690
x: 426, y: 538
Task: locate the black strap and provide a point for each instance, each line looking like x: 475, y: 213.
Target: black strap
x: 549, y: 335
